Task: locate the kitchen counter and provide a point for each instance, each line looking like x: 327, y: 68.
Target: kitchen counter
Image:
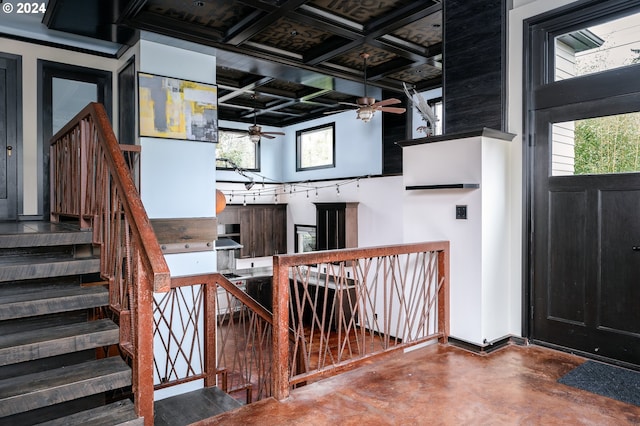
x: 253, y: 273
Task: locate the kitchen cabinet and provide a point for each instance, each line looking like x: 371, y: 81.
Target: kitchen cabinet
x: 336, y: 304
x: 262, y: 228
x: 260, y: 289
x: 336, y: 225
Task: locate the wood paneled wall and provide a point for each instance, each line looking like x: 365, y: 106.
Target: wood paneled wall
x: 474, y: 65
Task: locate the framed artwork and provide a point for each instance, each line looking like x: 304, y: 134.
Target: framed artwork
x: 173, y: 108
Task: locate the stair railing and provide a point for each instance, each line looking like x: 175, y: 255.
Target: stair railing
x: 351, y: 305
x: 90, y: 182
x: 206, y: 328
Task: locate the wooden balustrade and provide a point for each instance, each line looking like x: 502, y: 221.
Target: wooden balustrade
x: 347, y: 306
x: 91, y: 182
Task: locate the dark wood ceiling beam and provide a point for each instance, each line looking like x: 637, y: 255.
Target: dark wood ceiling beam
x: 248, y: 88
x: 320, y: 54
x: 176, y: 28
x: 240, y: 35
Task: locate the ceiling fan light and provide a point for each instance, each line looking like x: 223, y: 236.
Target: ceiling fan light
x: 365, y: 114
x: 255, y: 138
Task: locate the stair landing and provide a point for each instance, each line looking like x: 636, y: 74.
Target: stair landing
x: 191, y: 407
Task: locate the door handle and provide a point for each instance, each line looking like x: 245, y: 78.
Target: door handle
x: 635, y: 248
x: 9, y: 150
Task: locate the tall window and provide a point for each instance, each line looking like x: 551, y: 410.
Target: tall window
x: 235, y: 146
x: 315, y: 147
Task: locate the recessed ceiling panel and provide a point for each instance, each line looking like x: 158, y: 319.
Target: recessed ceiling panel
x: 424, y: 32
x: 354, y: 60
x: 288, y: 35
x: 417, y: 74
x: 220, y: 15
x: 360, y: 11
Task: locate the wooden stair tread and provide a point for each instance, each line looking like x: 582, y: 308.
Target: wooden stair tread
x: 38, y: 234
x: 118, y: 413
x: 203, y: 403
x: 45, y: 342
x: 36, y: 390
x: 41, y: 266
x: 51, y: 301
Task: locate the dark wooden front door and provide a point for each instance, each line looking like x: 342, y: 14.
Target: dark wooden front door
x: 586, y: 248
x: 9, y: 143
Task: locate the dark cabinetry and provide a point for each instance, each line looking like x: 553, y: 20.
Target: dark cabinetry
x: 262, y: 228
x: 336, y: 225
x: 260, y: 290
x: 332, y: 306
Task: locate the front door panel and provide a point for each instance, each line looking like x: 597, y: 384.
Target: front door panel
x: 9, y: 143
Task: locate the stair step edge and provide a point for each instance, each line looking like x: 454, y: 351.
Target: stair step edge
x: 37, y: 390
x: 43, y: 343
x: 120, y: 413
x: 51, y: 268
x: 62, y: 302
x: 45, y: 239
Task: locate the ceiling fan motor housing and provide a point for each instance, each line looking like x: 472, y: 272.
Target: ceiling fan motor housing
x: 365, y: 101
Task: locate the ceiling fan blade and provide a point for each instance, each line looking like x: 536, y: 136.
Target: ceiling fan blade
x: 264, y: 135
x: 337, y: 111
x: 394, y: 110
x: 272, y: 133
x: 386, y: 102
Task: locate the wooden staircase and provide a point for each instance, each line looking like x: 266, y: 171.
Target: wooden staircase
x: 53, y: 364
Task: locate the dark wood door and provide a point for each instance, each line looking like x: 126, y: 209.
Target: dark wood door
x: 9, y: 143
x: 330, y: 225
x: 586, y: 251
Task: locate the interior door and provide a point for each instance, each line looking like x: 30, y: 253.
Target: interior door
x: 586, y: 246
x: 9, y: 143
x: 66, y: 89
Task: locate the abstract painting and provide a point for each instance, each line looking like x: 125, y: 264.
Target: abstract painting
x: 177, y: 109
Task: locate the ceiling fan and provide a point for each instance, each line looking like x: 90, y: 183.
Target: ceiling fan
x: 367, y: 106
x: 255, y: 132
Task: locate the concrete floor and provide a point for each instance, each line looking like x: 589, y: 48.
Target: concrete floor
x: 444, y: 385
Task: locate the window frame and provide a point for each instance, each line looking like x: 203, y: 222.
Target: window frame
x: 229, y: 167
x: 299, y: 134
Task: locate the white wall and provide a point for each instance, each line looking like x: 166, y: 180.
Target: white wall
x: 478, y: 274
x: 429, y: 215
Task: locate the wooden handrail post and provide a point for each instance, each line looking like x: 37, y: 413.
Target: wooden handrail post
x: 443, y: 293
x: 143, y: 362
x: 85, y: 134
x: 280, y: 366
x: 210, y: 330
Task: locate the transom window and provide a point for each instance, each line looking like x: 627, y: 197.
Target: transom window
x: 609, y: 45
x: 315, y: 147
x: 235, y: 146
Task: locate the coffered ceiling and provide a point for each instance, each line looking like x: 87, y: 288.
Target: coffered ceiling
x: 300, y: 57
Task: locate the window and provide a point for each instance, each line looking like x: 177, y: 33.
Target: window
x: 315, y: 148
x: 609, y: 45
x: 235, y: 146
x: 599, y: 145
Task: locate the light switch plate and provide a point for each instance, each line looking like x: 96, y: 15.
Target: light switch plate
x: 461, y: 212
